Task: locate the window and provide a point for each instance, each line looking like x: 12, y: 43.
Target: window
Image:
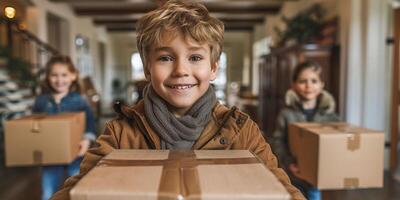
x: 84, y: 59
x: 220, y: 82
x: 137, y: 67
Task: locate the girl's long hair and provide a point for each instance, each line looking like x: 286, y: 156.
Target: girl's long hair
x: 65, y: 60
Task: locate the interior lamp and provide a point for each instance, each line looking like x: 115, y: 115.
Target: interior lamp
x: 9, y: 12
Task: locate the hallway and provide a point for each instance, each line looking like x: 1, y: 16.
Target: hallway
x: 355, y: 42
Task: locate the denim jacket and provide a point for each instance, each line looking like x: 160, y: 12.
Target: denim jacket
x: 73, y: 102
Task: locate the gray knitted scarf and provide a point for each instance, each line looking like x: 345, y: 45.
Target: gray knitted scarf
x: 178, y: 133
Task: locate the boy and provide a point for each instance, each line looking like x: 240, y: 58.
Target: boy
x: 305, y: 102
x: 180, y: 44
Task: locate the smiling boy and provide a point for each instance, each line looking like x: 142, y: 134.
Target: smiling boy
x: 180, y: 44
x: 180, y: 70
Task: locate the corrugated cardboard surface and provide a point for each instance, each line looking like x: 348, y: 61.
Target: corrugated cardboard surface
x: 338, y: 155
x: 219, y: 181
x: 43, y: 139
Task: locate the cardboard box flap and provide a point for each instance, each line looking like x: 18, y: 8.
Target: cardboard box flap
x: 204, y: 154
x: 341, y: 130
x: 145, y: 154
x: 139, y: 154
x: 353, y: 134
x: 319, y: 124
x: 29, y: 118
x: 47, y: 117
x: 183, y: 175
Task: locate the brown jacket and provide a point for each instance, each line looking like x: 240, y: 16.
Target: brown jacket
x: 228, y: 129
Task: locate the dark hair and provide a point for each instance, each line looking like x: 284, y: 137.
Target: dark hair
x: 306, y: 65
x: 59, y: 59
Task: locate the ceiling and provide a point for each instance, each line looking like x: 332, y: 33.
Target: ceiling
x: 122, y: 15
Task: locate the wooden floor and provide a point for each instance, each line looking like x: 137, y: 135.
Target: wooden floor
x: 23, y: 183
x: 390, y: 191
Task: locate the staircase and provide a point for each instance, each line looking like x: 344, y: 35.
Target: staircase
x: 22, y: 60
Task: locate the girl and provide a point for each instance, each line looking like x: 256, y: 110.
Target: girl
x: 61, y: 94
x: 305, y: 102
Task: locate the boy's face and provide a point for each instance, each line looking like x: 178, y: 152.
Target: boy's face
x: 179, y: 70
x: 308, y: 85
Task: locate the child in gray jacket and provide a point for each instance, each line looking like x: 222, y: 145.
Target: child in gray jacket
x: 306, y: 101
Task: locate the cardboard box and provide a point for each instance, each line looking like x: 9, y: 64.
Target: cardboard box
x: 163, y: 174
x: 338, y: 155
x: 43, y: 139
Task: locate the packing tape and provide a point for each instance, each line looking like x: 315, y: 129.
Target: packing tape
x: 37, y: 157
x: 176, y: 176
x: 35, y: 122
x: 179, y: 174
x: 351, y: 182
x: 353, y: 141
x: 35, y: 126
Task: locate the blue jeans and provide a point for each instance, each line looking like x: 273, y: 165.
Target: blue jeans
x: 54, y: 175
x: 313, y: 194
x: 308, y: 190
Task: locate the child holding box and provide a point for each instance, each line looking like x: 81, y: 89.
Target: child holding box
x: 180, y: 45
x: 305, y: 102
x: 61, y: 94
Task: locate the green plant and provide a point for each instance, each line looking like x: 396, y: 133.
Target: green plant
x: 5, y: 52
x: 304, y: 27
x: 18, y: 68
x: 21, y: 70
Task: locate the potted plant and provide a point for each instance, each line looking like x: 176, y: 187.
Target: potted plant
x: 303, y: 27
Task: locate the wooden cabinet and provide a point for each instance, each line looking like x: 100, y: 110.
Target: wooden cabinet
x: 276, y: 70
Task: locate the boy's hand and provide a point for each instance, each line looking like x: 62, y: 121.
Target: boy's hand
x: 294, y: 169
x: 83, y: 147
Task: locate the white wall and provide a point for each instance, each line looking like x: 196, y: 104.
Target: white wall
x: 366, y: 62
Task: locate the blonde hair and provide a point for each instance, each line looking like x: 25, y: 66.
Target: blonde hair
x: 189, y: 17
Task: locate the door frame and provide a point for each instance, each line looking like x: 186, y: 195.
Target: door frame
x: 394, y: 135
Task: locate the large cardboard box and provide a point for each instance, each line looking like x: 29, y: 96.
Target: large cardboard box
x: 43, y: 139
x: 338, y: 155
x: 163, y: 174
